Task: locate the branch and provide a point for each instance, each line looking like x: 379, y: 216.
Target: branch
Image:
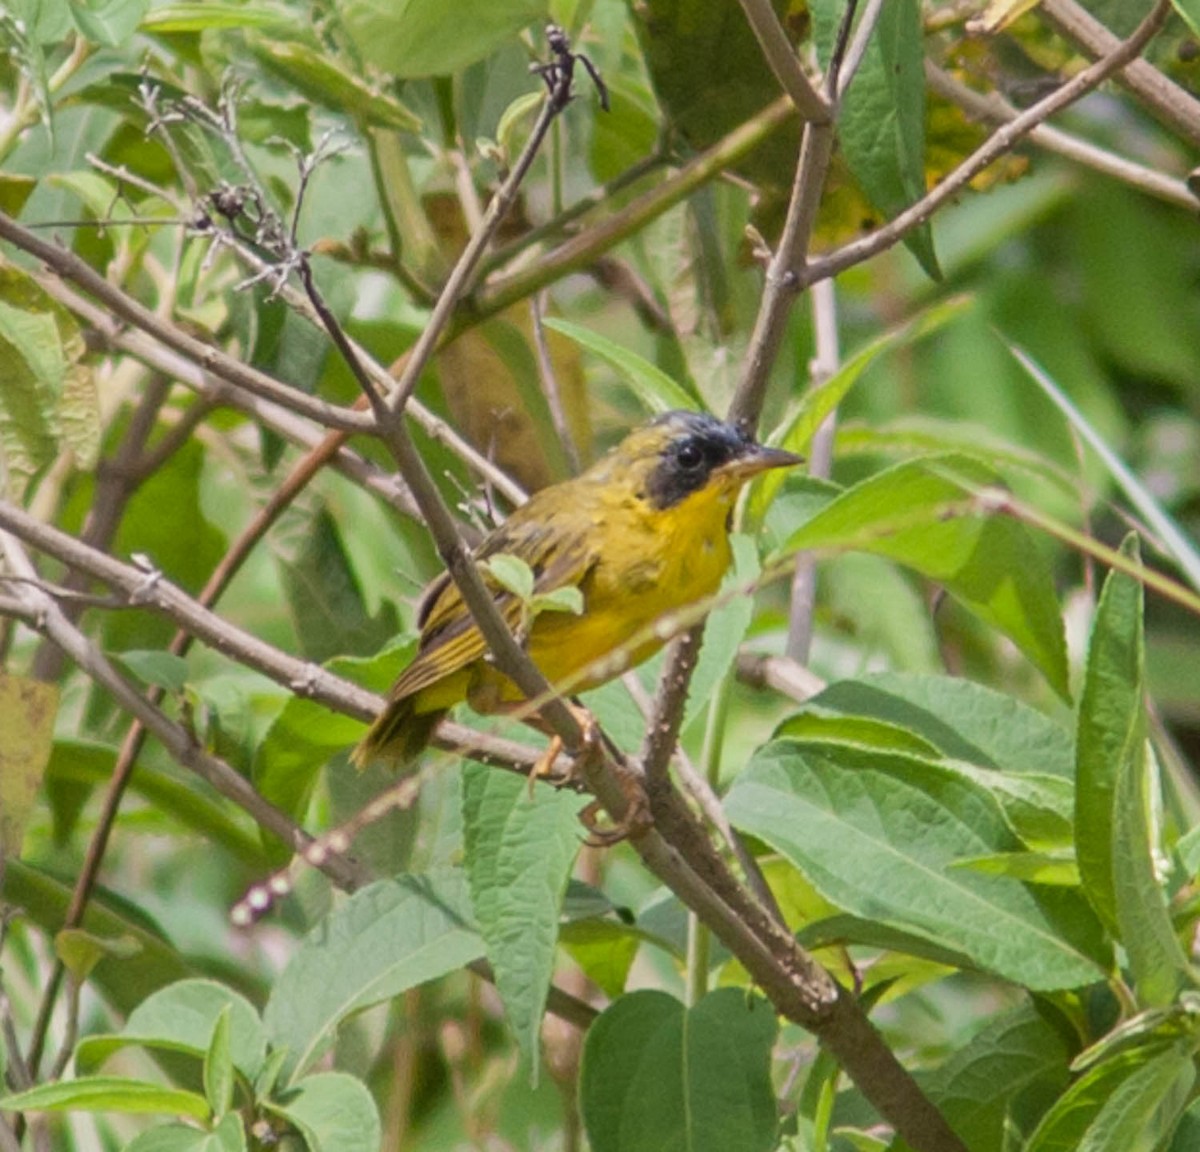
x: 582, y: 250
x: 992, y: 149
x: 39, y: 612
x: 782, y: 279
x: 781, y: 56
x: 143, y: 346
x: 556, y: 100
x: 994, y: 109
x: 1170, y: 103
x: 71, y: 267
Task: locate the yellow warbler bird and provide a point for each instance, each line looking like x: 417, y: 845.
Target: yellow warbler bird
x: 641, y: 533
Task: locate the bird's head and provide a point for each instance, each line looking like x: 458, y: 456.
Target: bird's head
x: 680, y: 454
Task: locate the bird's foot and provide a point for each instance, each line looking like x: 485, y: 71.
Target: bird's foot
x: 589, y: 747
x: 636, y: 819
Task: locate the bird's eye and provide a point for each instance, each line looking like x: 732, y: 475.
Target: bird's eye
x: 690, y: 456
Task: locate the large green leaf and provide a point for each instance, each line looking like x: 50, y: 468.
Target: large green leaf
x: 881, y: 122
x: 182, y: 1018
x: 429, y: 38
x: 521, y: 846
x: 228, y: 1136
x: 991, y: 563
x: 652, y: 386
x: 1128, y: 1104
x: 878, y: 834
x: 47, y: 394
x: 124, y: 980
x: 327, y: 81
x: 1112, y: 812
x: 27, y: 710
x: 334, y: 1111
x: 107, y: 1094
x: 306, y: 735
x: 1109, y: 724
x: 658, y: 1075
x: 964, y: 720
x: 1014, y: 1064
x: 386, y: 939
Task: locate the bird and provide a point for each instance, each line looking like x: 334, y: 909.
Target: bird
x: 642, y: 533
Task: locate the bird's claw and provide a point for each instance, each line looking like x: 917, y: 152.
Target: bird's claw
x: 636, y: 820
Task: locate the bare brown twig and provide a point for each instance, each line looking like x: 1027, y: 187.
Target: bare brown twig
x: 997, y: 145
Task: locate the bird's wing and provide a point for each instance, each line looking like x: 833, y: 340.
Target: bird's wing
x: 450, y: 638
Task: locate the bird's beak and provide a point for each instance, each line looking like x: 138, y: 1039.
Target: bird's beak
x: 758, y: 459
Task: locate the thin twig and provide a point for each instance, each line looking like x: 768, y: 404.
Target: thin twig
x: 858, y: 46
x: 1001, y: 142
x: 780, y: 674
x: 1171, y: 104
x: 550, y: 387
x: 994, y: 109
x: 591, y: 243
x: 558, y: 94
x: 781, y: 57
x: 71, y: 267
x: 666, y: 717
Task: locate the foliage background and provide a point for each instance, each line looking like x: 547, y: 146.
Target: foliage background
x: 971, y: 757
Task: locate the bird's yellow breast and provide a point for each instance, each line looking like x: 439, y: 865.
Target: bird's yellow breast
x: 648, y: 564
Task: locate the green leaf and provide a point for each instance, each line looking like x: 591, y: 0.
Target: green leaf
x: 47, y: 394
x: 183, y: 1017
x: 992, y: 564
x: 604, y: 950
x: 1190, y: 11
x: 415, y: 38
x: 724, y: 630
x: 511, y: 573
x: 1150, y: 1030
x: 1054, y: 868
x: 201, y: 15
x: 520, y: 849
x: 107, y: 1094
x: 1111, y: 815
x: 324, y: 594
x: 162, y: 669
x: 881, y: 122
x: 15, y: 189
x: 981, y: 1083
x: 1115, y: 768
x: 108, y: 22
x: 31, y: 377
x: 218, y: 1066
x: 328, y: 82
x: 811, y: 727
x: 817, y: 403
x: 306, y: 735
x: 1181, y: 549
x: 335, y: 1112
x: 1128, y: 1104
x: 652, y: 386
x: 877, y: 834
x: 80, y: 951
x: 565, y: 599
x: 707, y: 69
x: 387, y: 938
x: 965, y: 721
x: 27, y: 711
x: 124, y: 981
x: 228, y: 1136
x: 658, y: 1075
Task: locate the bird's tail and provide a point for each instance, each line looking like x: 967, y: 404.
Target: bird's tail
x: 399, y: 734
